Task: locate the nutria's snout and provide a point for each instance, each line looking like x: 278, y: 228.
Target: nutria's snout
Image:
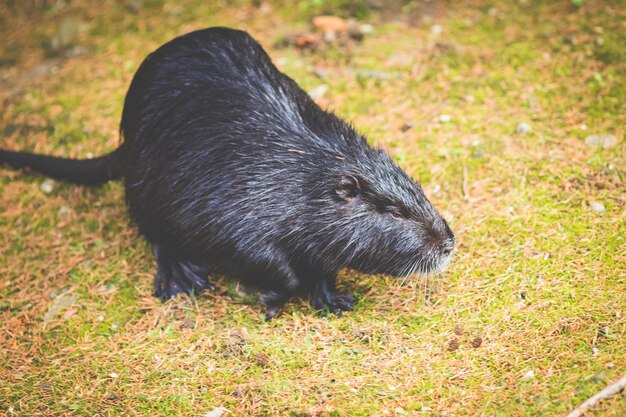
x: 439, y: 246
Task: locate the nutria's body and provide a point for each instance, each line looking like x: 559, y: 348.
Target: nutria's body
x: 230, y: 167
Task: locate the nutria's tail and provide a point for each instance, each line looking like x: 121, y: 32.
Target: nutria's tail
x: 79, y: 171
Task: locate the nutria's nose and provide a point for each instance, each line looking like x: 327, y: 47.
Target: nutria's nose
x: 448, y: 246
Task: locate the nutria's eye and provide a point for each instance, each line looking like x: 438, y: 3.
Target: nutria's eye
x: 348, y: 187
x: 394, y: 212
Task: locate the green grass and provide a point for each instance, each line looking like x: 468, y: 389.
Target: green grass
x: 538, y: 276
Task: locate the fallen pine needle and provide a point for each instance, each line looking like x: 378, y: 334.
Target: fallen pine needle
x: 606, y: 393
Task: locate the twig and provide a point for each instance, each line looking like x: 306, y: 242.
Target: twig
x: 464, y: 185
x: 606, y: 393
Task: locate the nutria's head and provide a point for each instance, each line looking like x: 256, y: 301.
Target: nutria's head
x: 384, y: 222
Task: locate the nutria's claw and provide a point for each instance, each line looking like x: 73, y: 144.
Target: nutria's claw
x: 335, y: 302
x: 271, y: 313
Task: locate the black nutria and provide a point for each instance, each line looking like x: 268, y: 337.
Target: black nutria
x: 231, y: 168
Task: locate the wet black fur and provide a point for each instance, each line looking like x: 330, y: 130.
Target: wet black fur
x: 230, y: 167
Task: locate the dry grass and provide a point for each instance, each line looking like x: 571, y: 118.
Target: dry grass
x: 538, y: 280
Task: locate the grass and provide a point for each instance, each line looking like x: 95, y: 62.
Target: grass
x: 537, y: 286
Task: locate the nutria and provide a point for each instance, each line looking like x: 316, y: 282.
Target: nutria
x: 231, y: 168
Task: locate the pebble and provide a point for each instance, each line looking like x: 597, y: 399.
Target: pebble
x: 104, y: 289
x: 445, y: 118
x: 366, y: 28
x: 597, y: 207
x: 602, y: 140
x: 523, y: 128
x: 64, y: 212
x: 60, y: 303
x: 318, y: 92
x: 47, y: 186
x: 218, y: 412
x: 595, y: 351
x: 374, y: 75
x: 436, y: 29
x: 529, y: 375
x: 66, y: 36
x: 469, y: 98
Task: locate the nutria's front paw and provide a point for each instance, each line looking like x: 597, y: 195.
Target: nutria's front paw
x: 335, y: 302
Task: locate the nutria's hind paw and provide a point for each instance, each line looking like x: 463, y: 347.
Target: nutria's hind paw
x: 169, y: 285
x: 335, y: 302
x: 274, y: 302
x: 177, y: 276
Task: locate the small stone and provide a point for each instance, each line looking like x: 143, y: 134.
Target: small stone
x: 64, y: 212
x: 400, y: 410
x: 173, y: 10
x: 436, y: 29
x: 373, y: 75
x: 204, y: 390
x: 445, y: 118
x: 523, y: 128
x: 603, y: 141
x: 318, y: 92
x: 89, y: 155
x: 320, y: 72
x: 114, y: 326
x: 47, y: 186
x: 475, y: 143
x: 218, y: 412
x: 60, y: 303
x: 107, y: 288
x: 366, y: 28
x: 66, y: 36
x: 113, y: 375
x: 529, y: 375
x: 100, y: 318
x: 469, y: 98
x: 135, y: 6
x: 597, y: 207
x: 610, y: 365
x: 595, y: 351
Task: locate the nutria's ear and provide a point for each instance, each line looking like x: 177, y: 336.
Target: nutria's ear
x: 348, y: 187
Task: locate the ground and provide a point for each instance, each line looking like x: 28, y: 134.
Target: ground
x: 488, y: 103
